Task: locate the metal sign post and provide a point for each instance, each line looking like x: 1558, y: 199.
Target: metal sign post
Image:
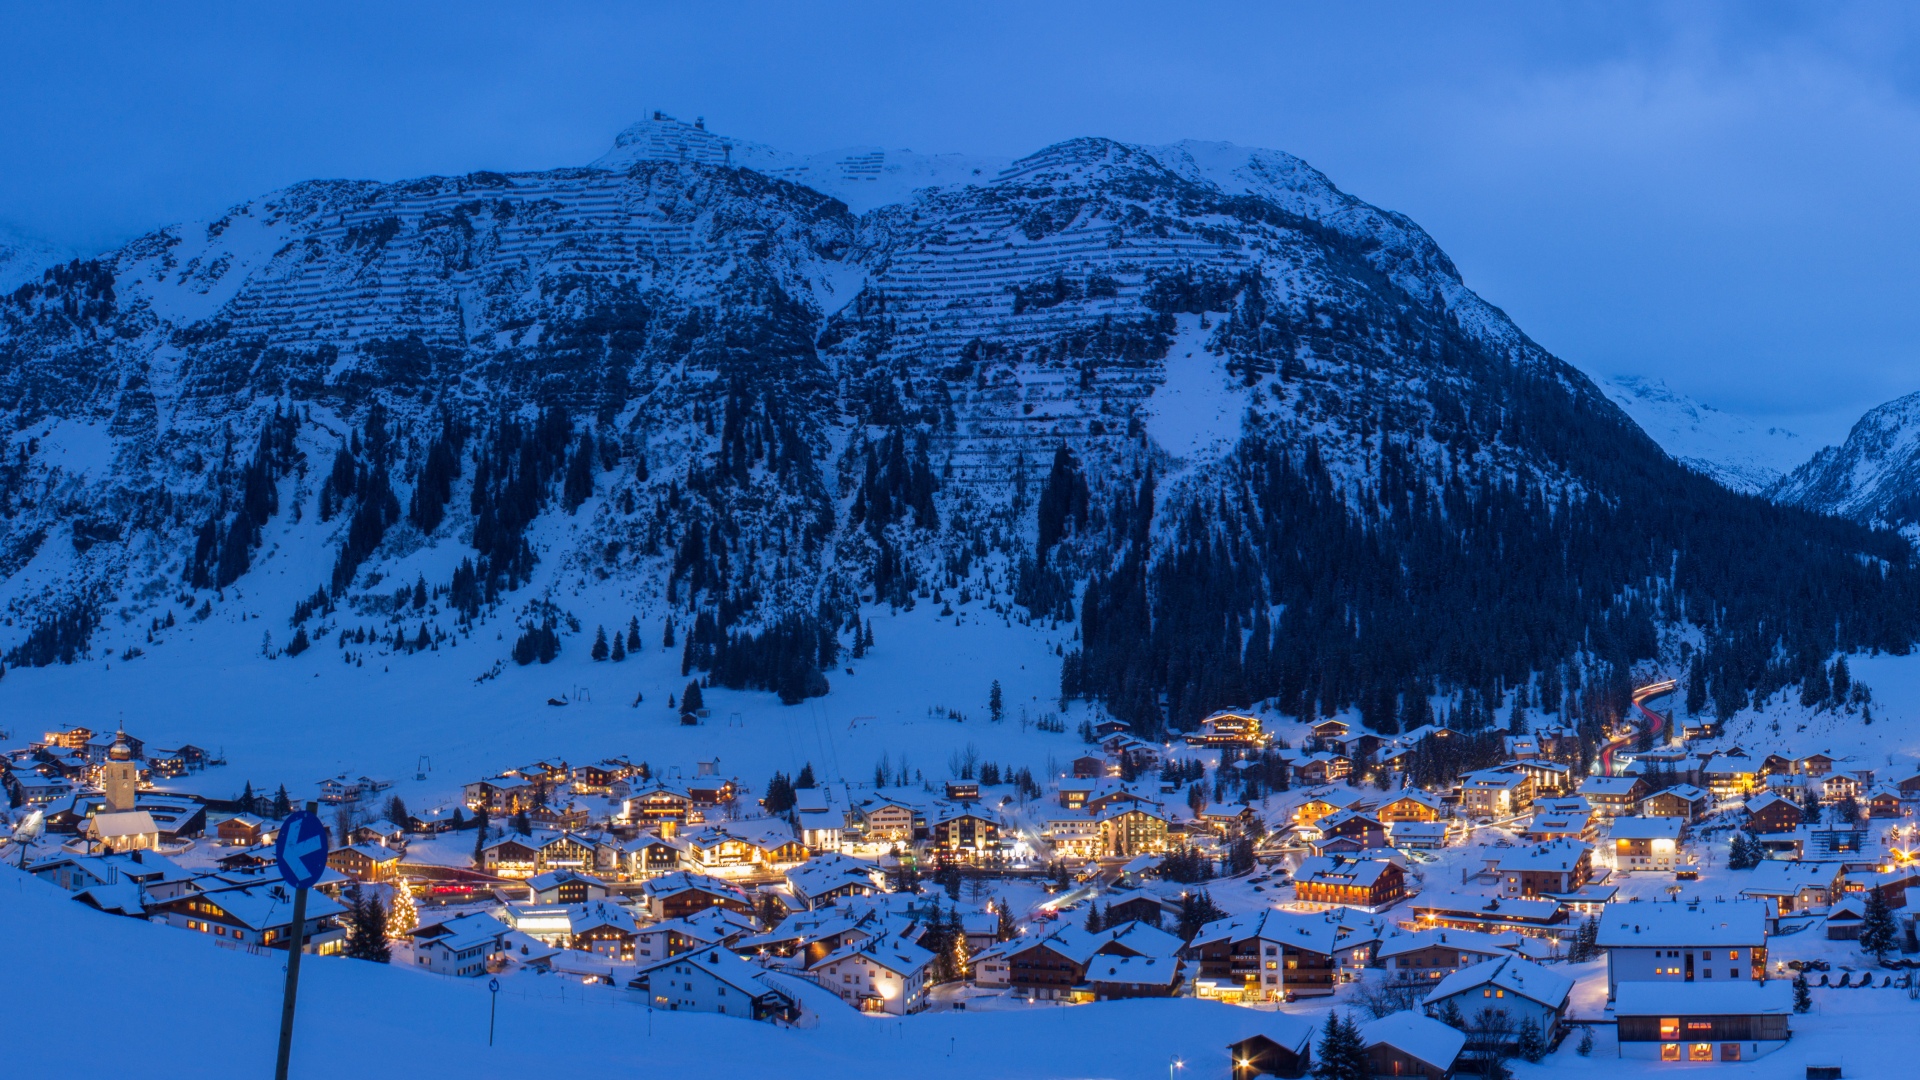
x: 301, y: 855
x: 493, y: 1003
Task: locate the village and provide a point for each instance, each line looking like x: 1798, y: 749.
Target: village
x: 1435, y: 902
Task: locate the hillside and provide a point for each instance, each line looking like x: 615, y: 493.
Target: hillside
x: 1872, y: 477
x: 1204, y: 427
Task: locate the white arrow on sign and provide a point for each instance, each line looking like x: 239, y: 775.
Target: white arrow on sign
x: 301, y: 848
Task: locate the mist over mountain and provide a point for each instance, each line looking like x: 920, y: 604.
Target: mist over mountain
x: 1252, y: 438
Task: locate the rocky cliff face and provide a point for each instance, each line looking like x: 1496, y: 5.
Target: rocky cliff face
x: 1197, y: 377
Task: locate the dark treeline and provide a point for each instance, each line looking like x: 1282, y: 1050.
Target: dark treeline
x: 223, y: 547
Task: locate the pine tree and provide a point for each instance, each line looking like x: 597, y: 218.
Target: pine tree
x: 779, y: 798
x: 996, y: 705
x: 1810, y: 808
x: 691, y: 700
x: 397, y: 811
x: 666, y: 639
x: 619, y: 647
x: 805, y: 779
x: 1802, y: 995
x: 246, y: 797
x: 1585, y: 1048
x: 282, y: 804
x: 1879, y: 933
x: 1532, y: 1045
x: 599, y: 650
x: 521, y: 824
x: 366, y: 926
x: 480, y: 837
x: 1004, y: 930
x: 1451, y: 1016
x: 633, y: 634
x: 1093, y: 924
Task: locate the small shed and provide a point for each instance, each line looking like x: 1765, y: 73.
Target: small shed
x: 1409, y: 1044
x: 1280, y: 1045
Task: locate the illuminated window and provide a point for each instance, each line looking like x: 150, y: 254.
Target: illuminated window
x: 1699, y: 1051
x: 1670, y: 1052
x: 1670, y: 1027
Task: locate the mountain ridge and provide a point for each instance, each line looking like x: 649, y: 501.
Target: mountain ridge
x: 756, y: 412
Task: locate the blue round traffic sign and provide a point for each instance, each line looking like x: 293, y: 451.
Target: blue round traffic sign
x: 302, y: 849
x: 493, y: 985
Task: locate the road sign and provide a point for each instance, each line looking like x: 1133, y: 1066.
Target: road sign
x: 302, y: 849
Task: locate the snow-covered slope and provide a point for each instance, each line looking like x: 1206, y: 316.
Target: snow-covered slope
x: 761, y: 396
x: 22, y: 258
x: 1874, y: 476
x: 1741, y: 453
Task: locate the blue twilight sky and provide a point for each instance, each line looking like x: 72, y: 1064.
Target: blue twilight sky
x: 1722, y: 195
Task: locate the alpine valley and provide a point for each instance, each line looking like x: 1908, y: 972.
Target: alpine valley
x: 1215, y: 431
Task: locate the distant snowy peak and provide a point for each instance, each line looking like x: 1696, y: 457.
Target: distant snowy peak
x: 862, y: 177
x: 22, y: 258
x: 1873, y: 477
x: 1742, y: 453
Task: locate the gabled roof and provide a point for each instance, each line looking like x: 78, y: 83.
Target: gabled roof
x: 681, y: 881
x: 724, y: 966
x: 1767, y: 798
x: 1609, y: 785
x: 1655, y: 925
x: 1335, y: 870
x: 1645, y: 828
x: 460, y: 933
x: 1782, y: 877
x: 1424, y: 798
x: 1510, y: 973
x: 1472, y: 941
x: 1688, y: 792
x: 1310, y: 933
x: 265, y: 907
x: 1418, y: 1036
x: 1554, y: 856
x: 1143, y: 970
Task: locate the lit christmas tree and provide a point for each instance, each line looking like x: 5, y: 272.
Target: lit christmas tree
x: 402, y: 916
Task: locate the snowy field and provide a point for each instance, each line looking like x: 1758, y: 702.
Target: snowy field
x: 299, y: 720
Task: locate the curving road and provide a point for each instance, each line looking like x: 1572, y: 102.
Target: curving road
x: 1638, y: 716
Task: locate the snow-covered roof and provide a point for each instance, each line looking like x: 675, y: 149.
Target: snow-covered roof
x: 824, y: 873
x: 723, y: 965
x: 1418, y: 1036
x: 1555, y: 855
x: 1782, y: 877
x: 1330, y: 868
x: 1646, y: 828
x: 1609, y: 785
x: 124, y: 823
x: 1311, y: 933
x: 1652, y: 925
x: 1732, y: 997
x: 1510, y: 973
x: 1683, y: 791
x: 460, y: 933
x: 1143, y: 970
x: 1470, y: 941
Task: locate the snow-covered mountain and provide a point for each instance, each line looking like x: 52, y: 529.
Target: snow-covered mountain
x: 1874, y: 476
x: 1235, y: 434
x: 22, y: 258
x: 1742, y: 453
